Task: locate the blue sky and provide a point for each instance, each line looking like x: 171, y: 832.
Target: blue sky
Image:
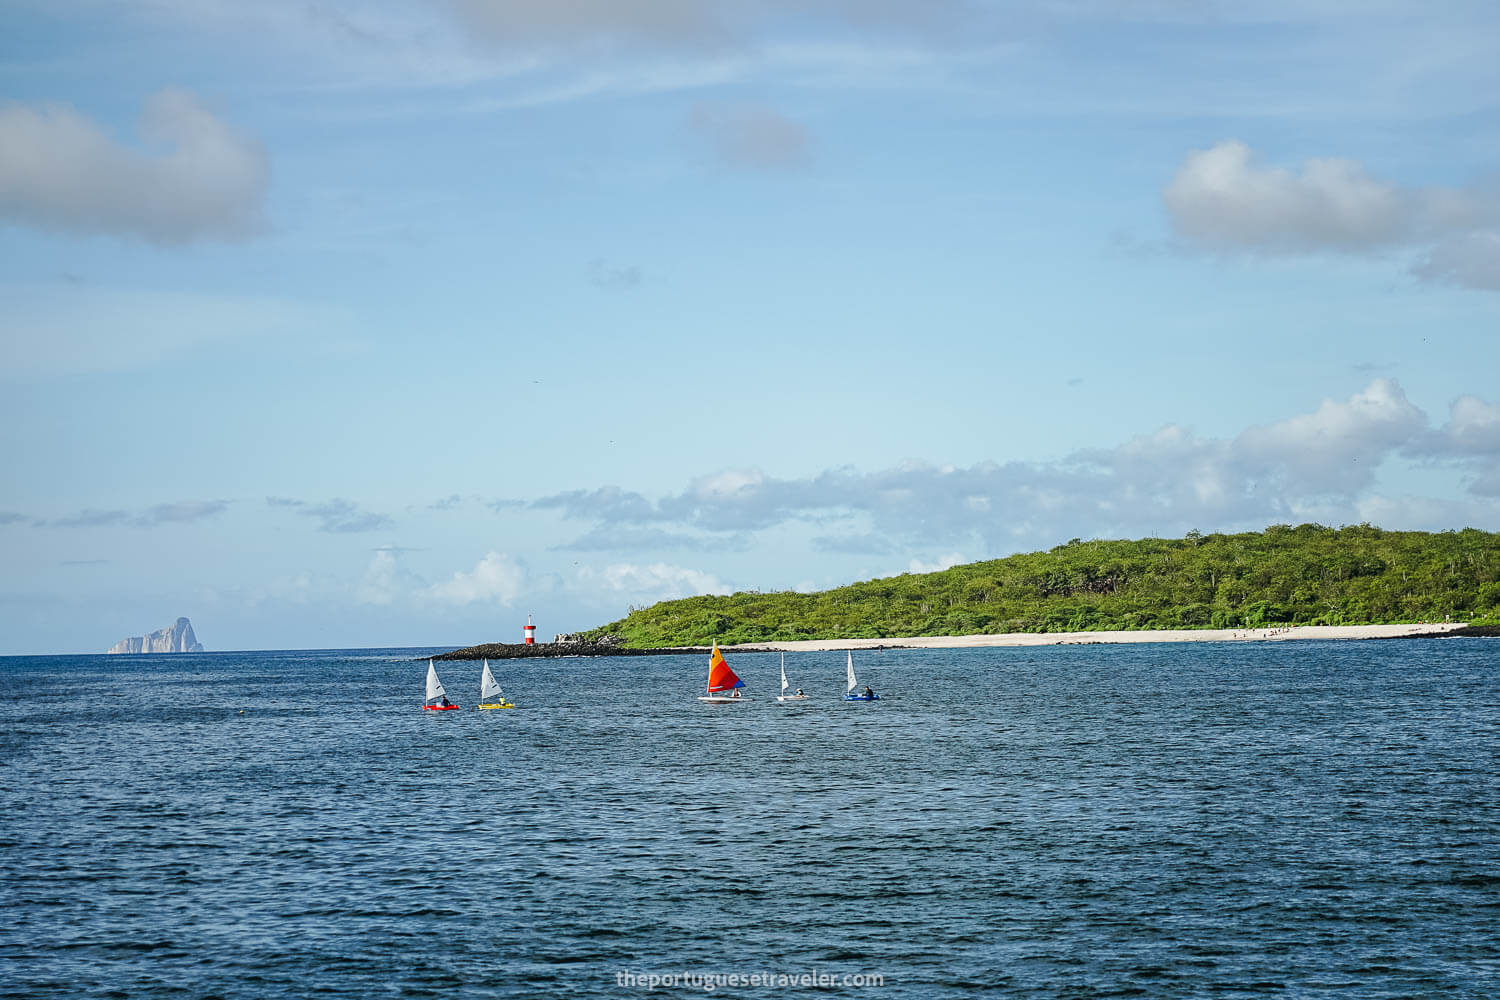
x: 362, y: 324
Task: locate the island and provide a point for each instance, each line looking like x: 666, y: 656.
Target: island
x: 1283, y: 583
x: 175, y: 638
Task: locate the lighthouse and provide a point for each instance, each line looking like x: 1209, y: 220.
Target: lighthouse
x: 530, y: 632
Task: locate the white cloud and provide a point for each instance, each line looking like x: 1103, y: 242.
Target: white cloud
x: 652, y: 582
x: 383, y: 579
x: 1322, y: 463
x: 1474, y: 426
x: 1470, y: 438
x: 728, y: 483
x: 1221, y: 199
x: 198, y: 178
x: 1337, y: 448
x: 1417, y: 513
x: 496, y: 578
x: 941, y: 563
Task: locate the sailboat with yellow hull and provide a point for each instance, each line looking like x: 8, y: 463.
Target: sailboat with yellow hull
x: 490, y: 695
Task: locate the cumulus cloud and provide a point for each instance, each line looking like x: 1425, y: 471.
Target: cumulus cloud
x: 495, y: 579
x: 1321, y: 464
x: 197, y: 177
x: 752, y: 137
x: 1473, y: 427
x: 337, y: 516
x: 1337, y: 448
x: 385, y: 580
x: 1470, y: 438
x: 1223, y: 199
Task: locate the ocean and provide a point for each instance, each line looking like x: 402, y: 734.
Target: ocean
x: 1188, y: 820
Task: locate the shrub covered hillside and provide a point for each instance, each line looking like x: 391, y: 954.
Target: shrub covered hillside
x: 1308, y: 575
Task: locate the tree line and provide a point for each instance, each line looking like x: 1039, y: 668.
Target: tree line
x: 1303, y: 575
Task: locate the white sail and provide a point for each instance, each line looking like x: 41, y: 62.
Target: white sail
x: 784, y: 684
x: 434, y: 686
x: 487, y: 687
x: 853, y: 681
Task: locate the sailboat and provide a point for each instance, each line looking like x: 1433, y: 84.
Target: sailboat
x: 488, y: 689
x: 865, y: 695
x: 437, y: 698
x: 783, y: 697
x: 721, y: 681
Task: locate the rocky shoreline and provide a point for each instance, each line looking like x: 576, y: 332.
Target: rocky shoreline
x: 1465, y: 632
x: 520, y: 651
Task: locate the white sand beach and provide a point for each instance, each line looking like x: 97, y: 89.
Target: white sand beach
x: 1089, y: 638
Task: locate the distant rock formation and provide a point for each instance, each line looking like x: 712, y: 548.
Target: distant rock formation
x: 178, y: 638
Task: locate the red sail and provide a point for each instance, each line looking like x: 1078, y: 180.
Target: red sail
x: 720, y: 677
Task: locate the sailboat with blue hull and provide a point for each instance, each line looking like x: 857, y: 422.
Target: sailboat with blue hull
x: 850, y: 694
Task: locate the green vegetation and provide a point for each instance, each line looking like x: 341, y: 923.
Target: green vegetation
x: 1307, y: 575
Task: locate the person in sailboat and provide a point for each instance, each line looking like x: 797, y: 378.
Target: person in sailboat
x: 868, y: 692
x: 800, y: 694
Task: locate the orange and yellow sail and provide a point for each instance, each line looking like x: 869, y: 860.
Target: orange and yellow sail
x: 720, y: 677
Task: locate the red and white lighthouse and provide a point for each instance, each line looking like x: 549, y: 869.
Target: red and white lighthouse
x: 530, y: 632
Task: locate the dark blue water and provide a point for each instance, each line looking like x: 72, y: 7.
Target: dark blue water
x: 1294, y: 819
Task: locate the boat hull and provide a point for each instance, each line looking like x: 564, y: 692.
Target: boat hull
x: 719, y: 699
x: 861, y: 697
x: 788, y: 698
x: 440, y: 708
x: 501, y: 705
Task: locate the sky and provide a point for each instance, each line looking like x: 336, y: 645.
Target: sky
x: 360, y: 324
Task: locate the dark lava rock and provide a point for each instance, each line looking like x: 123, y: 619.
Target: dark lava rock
x: 606, y: 646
